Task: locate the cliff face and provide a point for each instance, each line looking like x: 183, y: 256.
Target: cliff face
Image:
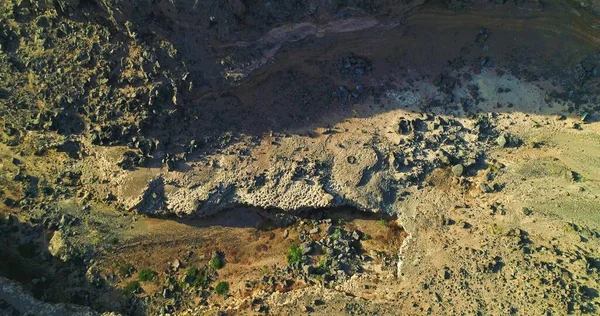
x: 16, y: 301
x: 170, y: 83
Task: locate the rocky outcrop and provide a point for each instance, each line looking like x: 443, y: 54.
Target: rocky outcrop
x: 15, y: 301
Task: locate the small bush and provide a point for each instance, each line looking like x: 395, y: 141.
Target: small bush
x: 131, y: 288
x: 146, y: 275
x: 126, y: 270
x: 96, y: 241
x: 323, y: 266
x: 323, y: 263
x: 191, y: 273
x: 337, y: 234
x: 113, y: 240
x: 382, y: 223
x: 217, y: 262
x: 196, y: 277
x: 222, y: 288
x: 294, y: 255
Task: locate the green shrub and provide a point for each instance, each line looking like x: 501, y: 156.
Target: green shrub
x: 222, y: 288
x: 196, y: 277
x: 96, y: 241
x: 294, y: 255
x: 113, y: 240
x: 337, y: 234
x: 191, y: 273
x: 126, y: 270
x: 324, y: 263
x: 131, y: 288
x: 146, y: 275
x: 382, y: 223
x: 217, y: 262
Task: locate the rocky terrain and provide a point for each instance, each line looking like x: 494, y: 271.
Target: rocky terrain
x: 360, y: 157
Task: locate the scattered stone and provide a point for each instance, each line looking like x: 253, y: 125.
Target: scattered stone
x: 9, y: 202
x: 110, y: 197
x: 307, y: 309
x: 175, y: 265
x: 485, y: 188
x: 351, y: 160
x: 502, y: 141
x: 445, y: 274
x: 129, y: 161
x: 527, y: 211
x: 59, y: 247
x: 330, y: 229
x: 458, y: 170
x: 404, y: 127
x: 585, y: 117
x: 308, y: 269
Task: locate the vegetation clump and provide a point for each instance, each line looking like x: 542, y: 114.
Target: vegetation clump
x: 146, y: 275
x: 294, y: 256
x: 222, y: 288
x: 113, y: 240
x: 126, y: 270
x: 217, y: 262
x: 131, y: 288
x: 196, y: 277
x: 337, y: 234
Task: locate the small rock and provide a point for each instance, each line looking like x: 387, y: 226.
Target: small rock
x: 308, y: 269
x: 502, y: 141
x: 175, y: 265
x: 404, y: 127
x: 307, y: 309
x: 585, y: 117
x: 485, y: 188
x: 458, y: 170
x: 58, y: 246
x: 307, y: 248
x: 260, y: 308
x: 9, y: 202
x: 330, y: 229
x: 110, y: 198
x: 286, y: 233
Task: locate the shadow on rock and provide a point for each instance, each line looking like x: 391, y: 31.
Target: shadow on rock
x: 53, y: 273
